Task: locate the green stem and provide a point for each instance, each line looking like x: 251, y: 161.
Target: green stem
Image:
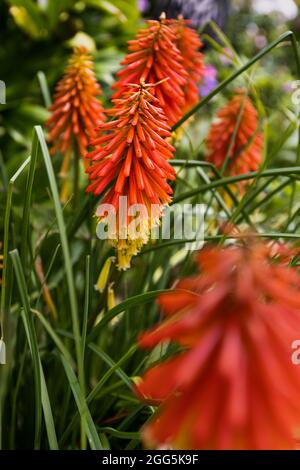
x: 32, y: 341
x: 287, y: 35
x: 44, y: 88
x: 222, y: 238
x: 69, y: 271
x: 76, y: 175
x: 6, y: 237
x: 27, y: 203
x: 294, y: 187
x: 235, y: 179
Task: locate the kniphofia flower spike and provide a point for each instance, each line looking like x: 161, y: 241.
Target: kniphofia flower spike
x: 76, y: 109
x: 235, y: 136
x: 189, y: 44
x: 131, y: 158
x: 153, y: 56
x: 233, y: 385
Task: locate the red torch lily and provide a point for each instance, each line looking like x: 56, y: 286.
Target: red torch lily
x: 76, y: 109
x: 233, y: 385
x: 234, y: 142
x: 130, y: 158
x: 153, y: 56
x: 189, y: 44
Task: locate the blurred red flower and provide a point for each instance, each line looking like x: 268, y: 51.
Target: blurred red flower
x: 76, y: 109
x: 233, y: 385
x: 189, y: 44
x: 153, y: 56
x: 235, y: 136
x: 131, y: 155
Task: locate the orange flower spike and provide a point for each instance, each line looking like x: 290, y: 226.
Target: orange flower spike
x: 131, y: 156
x: 245, y: 154
x: 189, y: 44
x: 234, y: 385
x: 152, y: 57
x: 76, y: 109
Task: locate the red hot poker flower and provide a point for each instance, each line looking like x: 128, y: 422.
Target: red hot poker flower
x: 189, y: 44
x: 153, y: 56
x: 235, y: 134
x: 131, y: 155
x: 76, y: 109
x: 234, y: 385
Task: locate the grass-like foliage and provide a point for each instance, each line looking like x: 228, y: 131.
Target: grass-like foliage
x: 72, y: 358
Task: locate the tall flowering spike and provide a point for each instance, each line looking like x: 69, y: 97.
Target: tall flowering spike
x: 189, y: 44
x: 153, y: 56
x: 236, y: 134
x: 76, y: 109
x: 130, y: 158
x: 234, y: 385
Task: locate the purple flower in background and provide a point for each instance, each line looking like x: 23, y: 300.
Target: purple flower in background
x: 143, y: 5
x: 209, y: 81
x: 224, y: 59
